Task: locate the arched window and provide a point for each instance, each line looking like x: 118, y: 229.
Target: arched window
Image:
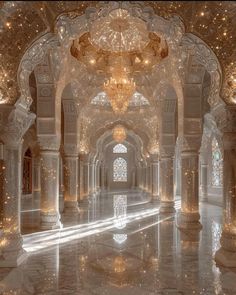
x: 217, y: 164
x: 119, y: 149
x: 120, y: 170
x: 27, y: 173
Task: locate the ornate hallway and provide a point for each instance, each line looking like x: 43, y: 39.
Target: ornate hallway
x: 117, y: 147
x: 134, y: 250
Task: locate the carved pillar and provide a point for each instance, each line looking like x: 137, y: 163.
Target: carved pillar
x: 226, y: 255
x: 18, y: 122
x: 71, y: 184
x: 103, y: 176
x: 81, y: 178
x: 146, y: 178
x: 61, y: 187
x: 150, y: 178
x: 97, y: 176
x: 189, y: 215
x: 84, y: 176
x: 11, y: 251
x: 166, y: 184
x: 91, y: 179
x: 50, y: 216
x: 204, y: 181
x: 36, y: 177
x: 155, y: 179
x: 177, y: 176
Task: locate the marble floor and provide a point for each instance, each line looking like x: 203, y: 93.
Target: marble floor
x: 123, y: 245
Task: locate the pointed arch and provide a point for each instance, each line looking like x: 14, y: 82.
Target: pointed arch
x: 119, y: 149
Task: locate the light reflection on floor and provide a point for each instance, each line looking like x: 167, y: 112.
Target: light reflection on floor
x: 134, y: 250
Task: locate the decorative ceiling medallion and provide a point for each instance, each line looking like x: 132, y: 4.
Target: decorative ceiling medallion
x: 103, y: 62
x: 119, y: 32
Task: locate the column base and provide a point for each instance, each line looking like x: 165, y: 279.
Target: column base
x: 11, y: 252
x: 50, y: 221
x: 155, y: 197
x: 71, y: 207
x: 225, y: 258
x: 204, y: 198
x: 226, y: 255
x: 167, y: 207
x: 61, y: 202
x: 188, y: 221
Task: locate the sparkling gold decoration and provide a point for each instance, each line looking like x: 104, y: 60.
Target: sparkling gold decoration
x: 119, y: 133
x: 119, y: 88
x: 119, y: 32
x: 119, y: 264
x: 24, y: 23
x: 102, y: 61
x: 119, y: 44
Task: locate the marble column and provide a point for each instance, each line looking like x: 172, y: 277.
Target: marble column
x: 91, y: 179
x: 103, y: 176
x: 204, y: 181
x: 226, y: 255
x: 17, y: 122
x: 61, y: 186
x: 189, y: 216
x: 97, y: 177
x: 71, y: 184
x: 11, y: 251
x: 86, y: 175
x: 81, y: 178
x: 146, y: 178
x: 36, y: 178
x: 50, y: 216
x: 166, y: 185
x: 177, y: 177
x: 150, y: 178
x: 155, y: 179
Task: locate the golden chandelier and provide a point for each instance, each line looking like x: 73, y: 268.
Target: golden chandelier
x: 119, y: 133
x: 119, y: 45
x: 119, y: 89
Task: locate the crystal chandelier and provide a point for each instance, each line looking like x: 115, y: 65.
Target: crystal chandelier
x: 119, y: 45
x: 119, y: 133
x: 119, y: 89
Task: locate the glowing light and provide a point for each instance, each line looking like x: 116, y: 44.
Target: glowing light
x: 119, y: 133
x: 120, y: 238
x: 38, y: 241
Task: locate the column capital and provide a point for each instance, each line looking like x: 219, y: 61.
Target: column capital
x: 49, y: 142
x: 71, y: 150
x: 18, y: 122
x: 189, y: 153
x: 190, y: 143
x: 71, y: 157
x: 84, y: 157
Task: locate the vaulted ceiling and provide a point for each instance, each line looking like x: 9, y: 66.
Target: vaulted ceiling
x: 22, y: 22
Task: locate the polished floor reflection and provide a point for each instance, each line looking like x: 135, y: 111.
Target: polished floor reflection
x: 123, y: 246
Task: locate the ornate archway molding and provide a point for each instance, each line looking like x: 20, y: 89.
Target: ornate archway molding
x: 67, y: 28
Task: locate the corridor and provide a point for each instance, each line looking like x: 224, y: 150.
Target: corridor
x: 133, y: 250
x: 117, y: 148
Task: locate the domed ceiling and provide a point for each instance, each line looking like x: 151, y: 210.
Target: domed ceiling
x: 22, y: 22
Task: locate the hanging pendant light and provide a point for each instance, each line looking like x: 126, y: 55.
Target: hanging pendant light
x: 119, y: 133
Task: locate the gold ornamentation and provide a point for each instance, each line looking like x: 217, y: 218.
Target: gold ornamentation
x: 103, y: 62
x: 119, y: 88
x: 119, y: 133
x: 119, y: 32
